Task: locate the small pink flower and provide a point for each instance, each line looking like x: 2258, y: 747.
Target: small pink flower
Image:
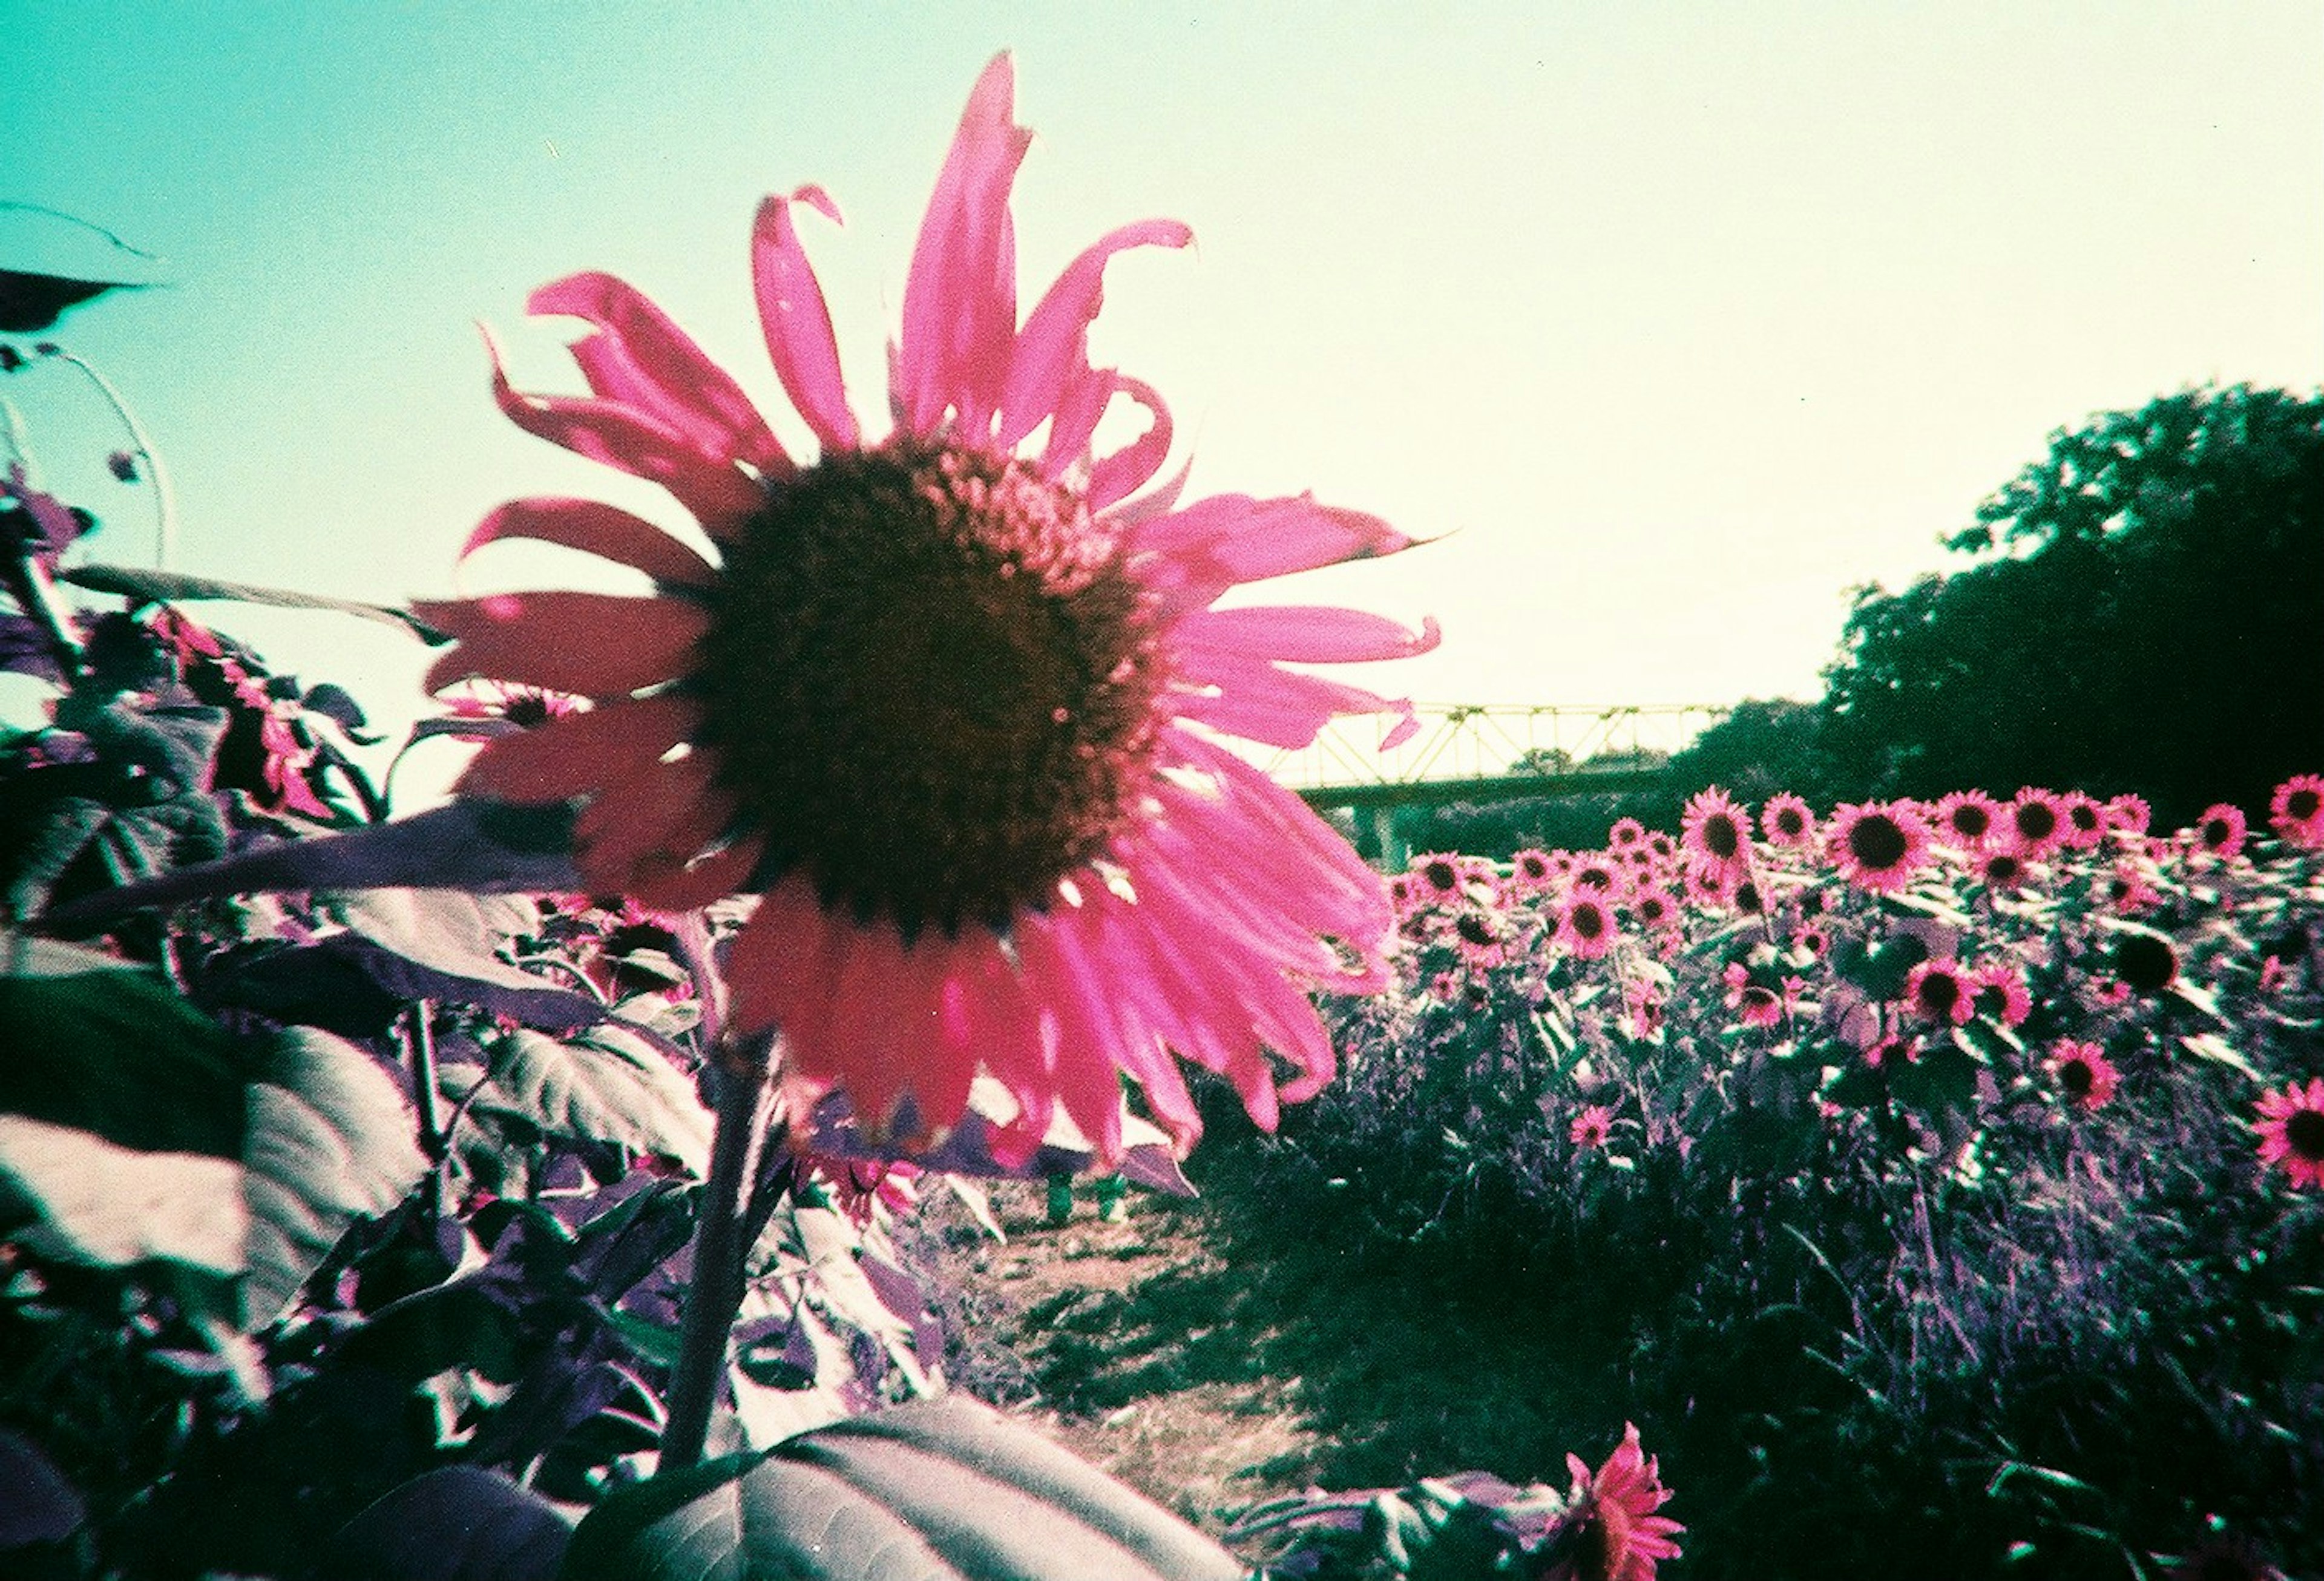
x: 1591, y: 1127
x: 2220, y: 831
x: 2291, y: 1132
x: 1998, y: 990
x: 2033, y: 822
x: 2082, y: 1072
x: 1585, y: 925
x: 1966, y: 819
x: 1788, y: 821
x: 2128, y: 814
x: 1935, y: 990
x: 1617, y: 1535
x: 2296, y: 811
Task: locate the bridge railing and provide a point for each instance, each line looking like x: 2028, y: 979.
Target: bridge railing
x: 1476, y: 741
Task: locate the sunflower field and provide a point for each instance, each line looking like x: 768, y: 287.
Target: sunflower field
x: 1927, y: 1178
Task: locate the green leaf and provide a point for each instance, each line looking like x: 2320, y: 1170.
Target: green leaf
x: 451, y: 930
x: 938, y: 1489
x: 455, y: 1524
x: 151, y: 586
x: 134, y: 1131
x: 606, y: 1085
x: 106, y: 1045
x: 331, y: 1140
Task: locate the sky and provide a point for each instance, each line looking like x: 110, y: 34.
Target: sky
x: 1672, y: 322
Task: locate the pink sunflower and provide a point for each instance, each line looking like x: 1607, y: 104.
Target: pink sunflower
x: 1715, y: 832
x: 2220, y: 831
x: 1621, y: 1537
x: 1654, y: 908
x: 2082, y: 1072
x: 1877, y: 846
x: 1754, y: 1003
x: 2296, y: 811
x: 1788, y: 823
x: 1530, y: 872
x: 1935, y: 990
x: 2033, y: 823
x: 1966, y: 819
x: 1436, y: 876
x: 1585, y: 925
x: 2291, y: 1132
x: 2002, y: 870
x: 947, y: 702
x: 1998, y: 989
x: 2128, y: 814
x: 1625, y: 833
x: 2083, y: 823
x: 1590, y: 1129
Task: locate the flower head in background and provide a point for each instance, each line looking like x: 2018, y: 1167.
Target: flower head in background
x: 1878, y: 845
x: 1788, y: 821
x: 2220, y: 831
x: 2296, y: 811
x: 1621, y: 1536
x: 2291, y: 1132
x: 2084, y: 1073
x: 947, y: 701
x: 1715, y: 832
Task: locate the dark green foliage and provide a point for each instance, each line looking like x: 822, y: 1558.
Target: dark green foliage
x: 2143, y: 616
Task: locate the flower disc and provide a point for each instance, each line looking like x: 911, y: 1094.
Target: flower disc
x: 930, y: 684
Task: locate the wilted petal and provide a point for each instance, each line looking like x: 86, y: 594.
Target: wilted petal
x: 797, y: 322
x: 713, y: 489
x: 1053, y: 348
x: 597, y: 529
x: 960, y: 301
x: 578, y: 753
x: 1132, y: 467
x: 645, y: 360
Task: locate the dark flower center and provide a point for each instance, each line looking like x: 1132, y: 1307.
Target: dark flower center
x: 1473, y: 928
x: 2037, y: 820
x: 930, y: 682
x: 1940, y: 992
x: 1875, y: 841
x: 1971, y: 820
x: 1789, y: 823
x: 2077, y: 1077
x: 2303, y: 1132
x: 2216, y: 833
x: 2083, y: 816
x: 1747, y: 898
x: 1588, y: 922
x: 1652, y: 909
x: 1720, y: 836
x: 2301, y: 805
x: 2004, y: 868
x: 2146, y: 963
x: 1439, y: 876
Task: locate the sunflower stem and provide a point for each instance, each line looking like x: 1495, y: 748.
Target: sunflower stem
x: 720, y: 1248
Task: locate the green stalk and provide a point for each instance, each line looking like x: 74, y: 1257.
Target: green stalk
x: 720, y: 1248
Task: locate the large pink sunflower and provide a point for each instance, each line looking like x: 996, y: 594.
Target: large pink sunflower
x: 948, y: 703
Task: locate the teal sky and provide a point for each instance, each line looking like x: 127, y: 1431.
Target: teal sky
x: 1682, y: 318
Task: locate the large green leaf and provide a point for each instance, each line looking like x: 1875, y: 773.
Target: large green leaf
x: 936, y: 1490
x: 605, y: 1085
x: 331, y: 1140
x: 134, y: 1131
x: 103, y: 1045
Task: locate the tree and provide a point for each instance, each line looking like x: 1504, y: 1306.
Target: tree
x: 2144, y: 614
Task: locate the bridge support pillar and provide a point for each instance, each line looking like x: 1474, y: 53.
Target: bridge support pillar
x: 1388, y: 837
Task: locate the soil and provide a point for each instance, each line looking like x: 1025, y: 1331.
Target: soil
x: 1214, y: 1356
